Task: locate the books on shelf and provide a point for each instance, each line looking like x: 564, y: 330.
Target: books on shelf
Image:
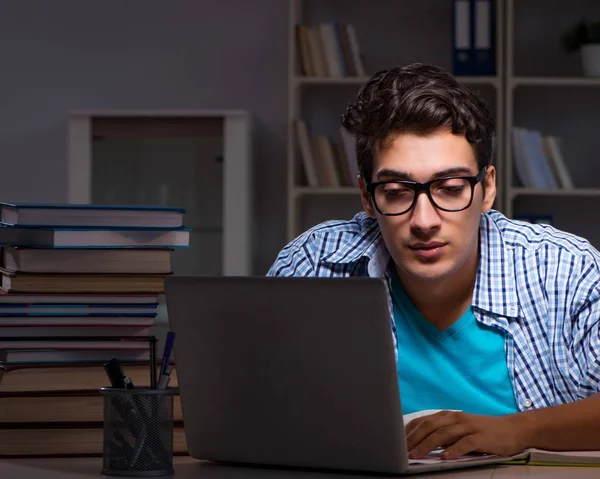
x: 329, y: 49
x: 474, y: 37
x: 326, y: 162
x: 538, y: 160
x: 332, y: 50
x: 66, y: 308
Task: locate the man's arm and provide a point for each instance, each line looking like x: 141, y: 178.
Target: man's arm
x: 574, y: 426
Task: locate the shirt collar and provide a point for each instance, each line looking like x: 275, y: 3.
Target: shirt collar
x: 495, y: 286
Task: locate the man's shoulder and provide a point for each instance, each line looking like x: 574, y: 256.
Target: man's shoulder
x: 523, y: 238
x: 332, y: 240
x: 339, y: 231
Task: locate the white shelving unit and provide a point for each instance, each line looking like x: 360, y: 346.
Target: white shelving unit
x: 181, y: 166
x: 301, y: 197
x: 541, y: 94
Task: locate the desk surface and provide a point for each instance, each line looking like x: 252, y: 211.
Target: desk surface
x: 188, y: 468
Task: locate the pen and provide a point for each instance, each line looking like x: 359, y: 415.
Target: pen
x: 115, y: 374
x: 153, y: 362
x: 167, y: 352
x: 164, y: 375
x: 165, y: 378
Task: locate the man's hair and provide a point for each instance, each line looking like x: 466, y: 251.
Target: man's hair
x: 418, y: 99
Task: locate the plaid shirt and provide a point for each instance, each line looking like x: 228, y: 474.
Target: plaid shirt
x: 539, y: 285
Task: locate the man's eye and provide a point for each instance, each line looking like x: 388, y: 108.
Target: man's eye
x: 452, y: 189
x: 396, y: 191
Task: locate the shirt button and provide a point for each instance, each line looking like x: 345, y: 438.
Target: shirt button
x: 527, y: 403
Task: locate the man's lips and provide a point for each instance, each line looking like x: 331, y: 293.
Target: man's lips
x: 426, y: 246
x: 428, y: 251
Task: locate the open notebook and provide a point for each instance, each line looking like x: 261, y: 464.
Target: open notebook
x: 532, y: 457
x: 540, y: 457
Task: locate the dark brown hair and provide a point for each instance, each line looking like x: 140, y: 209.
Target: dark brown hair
x: 417, y: 99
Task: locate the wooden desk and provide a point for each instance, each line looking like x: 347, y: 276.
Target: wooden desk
x: 188, y: 468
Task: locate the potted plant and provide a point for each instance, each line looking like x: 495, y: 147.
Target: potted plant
x: 585, y: 36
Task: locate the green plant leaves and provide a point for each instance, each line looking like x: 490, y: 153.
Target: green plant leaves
x: 580, y: 34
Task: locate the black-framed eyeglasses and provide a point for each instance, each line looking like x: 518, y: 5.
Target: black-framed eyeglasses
x: 396, y: 197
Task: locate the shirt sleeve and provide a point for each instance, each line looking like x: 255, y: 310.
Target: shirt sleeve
x: 586, y: 330
x: 293, y: 260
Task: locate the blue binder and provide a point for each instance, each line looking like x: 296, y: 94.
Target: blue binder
x: 474, y: 37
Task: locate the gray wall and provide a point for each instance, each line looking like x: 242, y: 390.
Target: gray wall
x: 72, y: 54
x: 89, y: 54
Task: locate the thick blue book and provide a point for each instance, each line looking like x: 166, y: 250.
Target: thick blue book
x: 90, y: 215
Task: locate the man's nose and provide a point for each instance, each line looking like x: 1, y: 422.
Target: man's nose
x: 425, y: 216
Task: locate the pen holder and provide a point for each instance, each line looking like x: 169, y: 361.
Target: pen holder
x: 138, y: 432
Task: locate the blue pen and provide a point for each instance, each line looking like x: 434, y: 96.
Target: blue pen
x: 169, y: 340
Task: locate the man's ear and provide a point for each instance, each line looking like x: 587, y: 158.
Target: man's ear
x: 365, y: 198
x: 490, y: 189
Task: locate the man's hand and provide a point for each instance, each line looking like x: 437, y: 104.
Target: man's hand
x: 459, y: 434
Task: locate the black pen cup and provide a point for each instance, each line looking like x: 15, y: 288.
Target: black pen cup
x: 138, y: 432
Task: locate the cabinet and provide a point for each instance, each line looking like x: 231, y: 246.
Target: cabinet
x: 197, y: 159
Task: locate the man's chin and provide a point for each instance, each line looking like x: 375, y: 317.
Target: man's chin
x: 430, y: 273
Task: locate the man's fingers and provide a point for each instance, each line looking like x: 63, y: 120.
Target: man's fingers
x: 461, y: 447
x: 424, y: 428
x: 429, y: 424
x: 412, y: 425
x: 444, y: 435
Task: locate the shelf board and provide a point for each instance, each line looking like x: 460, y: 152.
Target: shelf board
x: 302, y: 80
x: 329, y: 191
x: 556, y: 81
x: 581, y: 192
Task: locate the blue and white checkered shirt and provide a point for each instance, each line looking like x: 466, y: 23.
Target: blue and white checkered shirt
x: 539, y: 285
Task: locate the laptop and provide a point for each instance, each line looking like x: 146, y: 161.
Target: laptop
x: 291, y: 372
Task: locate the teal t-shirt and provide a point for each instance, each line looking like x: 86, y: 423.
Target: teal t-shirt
x: 463, y: 367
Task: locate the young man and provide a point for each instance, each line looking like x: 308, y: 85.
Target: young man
x: 492, y: 317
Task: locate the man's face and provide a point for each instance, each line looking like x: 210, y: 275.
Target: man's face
x: 427, y: 243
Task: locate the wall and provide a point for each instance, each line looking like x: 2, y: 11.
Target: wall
x: 68, y: 54
x: 72, y: 54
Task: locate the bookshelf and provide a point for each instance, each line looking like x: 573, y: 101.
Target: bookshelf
x: 197, y: 159
x: 546, y: 91
x: 319, y: 100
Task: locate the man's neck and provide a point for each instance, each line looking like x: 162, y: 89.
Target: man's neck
x: 442, y: 303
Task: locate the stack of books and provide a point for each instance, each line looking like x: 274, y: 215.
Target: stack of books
x: 80, y: 284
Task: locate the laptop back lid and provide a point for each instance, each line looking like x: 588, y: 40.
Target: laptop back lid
x: 287, y: 371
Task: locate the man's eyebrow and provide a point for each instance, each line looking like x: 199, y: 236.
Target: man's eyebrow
x: 402, y: 175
